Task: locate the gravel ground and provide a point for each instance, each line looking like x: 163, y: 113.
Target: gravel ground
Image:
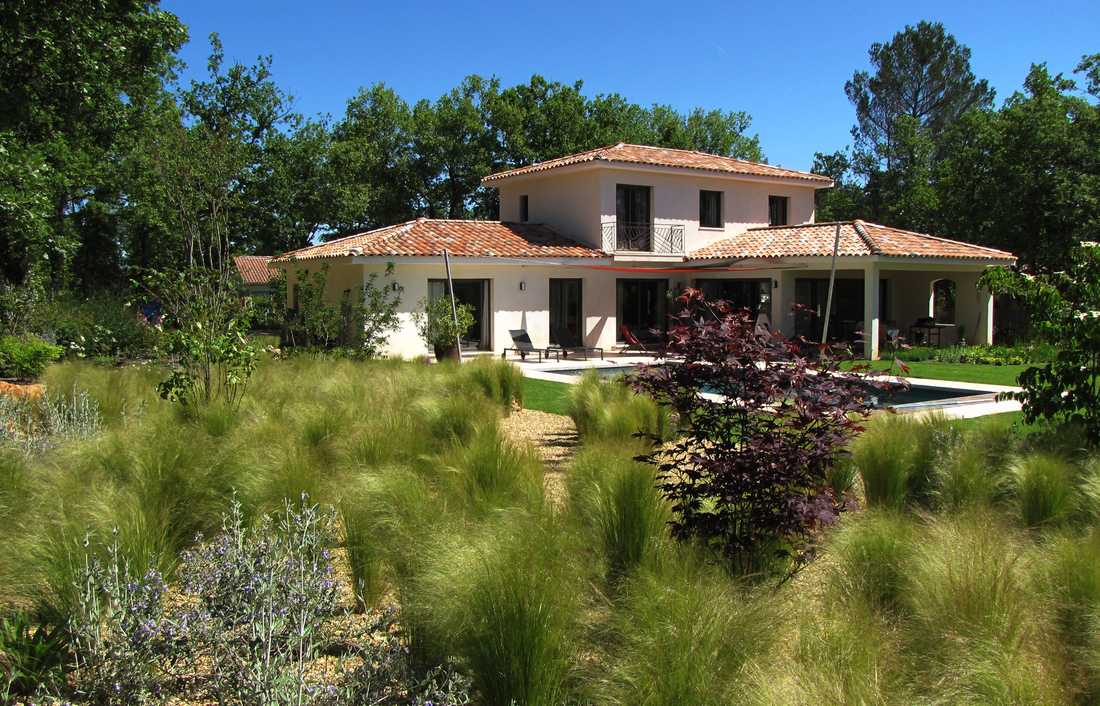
x: 554, y: 438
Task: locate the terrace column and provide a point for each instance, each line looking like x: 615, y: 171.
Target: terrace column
x: 984, y: 333
x: 871, y: 311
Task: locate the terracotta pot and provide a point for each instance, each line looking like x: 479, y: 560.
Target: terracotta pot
x: 443, y: 353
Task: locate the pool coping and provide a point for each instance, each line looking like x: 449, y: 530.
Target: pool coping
x: 981, y: 404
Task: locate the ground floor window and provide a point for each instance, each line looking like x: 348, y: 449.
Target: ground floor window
x: 475, y: 294
x: 641, y: 306
x: 752, y: 294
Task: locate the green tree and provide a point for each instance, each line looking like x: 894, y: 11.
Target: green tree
x: 372, y: 162
x: 74, y: 79
x: 1063, y: 307
x: 923, y: 73
x: 1027, y: 177
x: 845, y: 200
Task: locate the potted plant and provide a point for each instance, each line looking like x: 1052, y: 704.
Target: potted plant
x: 435, y: 322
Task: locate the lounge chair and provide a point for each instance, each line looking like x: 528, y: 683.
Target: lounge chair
x: 560, y: 335
x: 521, y: 345
x: 633, y: 343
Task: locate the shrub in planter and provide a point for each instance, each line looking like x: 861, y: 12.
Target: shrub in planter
x: 435, y: 322
x: 26, y: 358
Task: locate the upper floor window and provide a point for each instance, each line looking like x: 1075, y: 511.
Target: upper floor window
x: 777, y: 210
x: 710, y: 209
x: 524, y: 214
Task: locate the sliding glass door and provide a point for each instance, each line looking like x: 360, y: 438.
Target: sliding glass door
x: 641, y: 307
x: 566, y: 320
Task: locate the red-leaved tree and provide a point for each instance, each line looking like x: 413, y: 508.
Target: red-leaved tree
x: 761, y: 427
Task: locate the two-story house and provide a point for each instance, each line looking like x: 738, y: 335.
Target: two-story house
x: 591, y: 245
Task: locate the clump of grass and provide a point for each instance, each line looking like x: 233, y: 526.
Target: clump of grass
x: 629, y: 515
x: 609, y: 409
x: 897, y: 457
x: 840, y: 658
x: 497, y: 380
x: 978, y: 631
x: 503, y: 602
x: 872, y: 554
x: 967, y: 476
x: 1044, y: 487
x: 686, y: 635
x: 883, y: 453
x: 494, y: 472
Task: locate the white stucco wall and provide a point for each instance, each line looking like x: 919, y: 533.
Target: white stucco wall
x: 676, y: 201
x: 568, y: 203
x: 513, y: 308
x: 576, y: 203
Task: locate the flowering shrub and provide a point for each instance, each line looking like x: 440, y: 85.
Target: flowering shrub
x: 749, y: 473
x: 244, y: 626
x: 261, y: 596
x: 117, y: 630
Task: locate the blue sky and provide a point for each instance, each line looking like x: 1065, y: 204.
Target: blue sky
x: 783, y: 63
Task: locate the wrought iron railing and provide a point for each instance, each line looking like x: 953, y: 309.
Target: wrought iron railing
x: 659, y: 238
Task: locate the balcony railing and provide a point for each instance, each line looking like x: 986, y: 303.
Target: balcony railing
x: 658, y: 239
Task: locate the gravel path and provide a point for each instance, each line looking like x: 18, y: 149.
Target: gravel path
x: 554, y: 438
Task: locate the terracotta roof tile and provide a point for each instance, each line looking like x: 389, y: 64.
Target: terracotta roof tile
x: 428, y: 237
x: 857, y: 238
x: 666, y: 157
x: 253, y: 268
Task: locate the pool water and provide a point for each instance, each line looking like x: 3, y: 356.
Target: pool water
x: 899, y: 396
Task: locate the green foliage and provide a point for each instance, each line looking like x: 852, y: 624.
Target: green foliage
x: 205, y: 339
x: 26, y: 358
x: 872, y: 555
x: 439, y: 326
x: 32, y: 654
x: 609, y: 409
x: 361, y: 322
x: 1033, y: 352
x: 1063, y: 308
x: 1023, y: 178
x: 686, y: 635
x: 99, y: 326
x: 1044, y: 487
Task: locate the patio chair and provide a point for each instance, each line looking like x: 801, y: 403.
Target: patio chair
x: 521, y: 345
x: 561, y: 335
x: 633, y: 343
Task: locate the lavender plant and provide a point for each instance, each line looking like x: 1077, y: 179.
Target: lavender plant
x: 261, y: 597
x: 117, y: 630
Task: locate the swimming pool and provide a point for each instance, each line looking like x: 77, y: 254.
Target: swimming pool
x: 913, y: 397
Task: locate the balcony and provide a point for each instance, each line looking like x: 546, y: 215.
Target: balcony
x: 646, y: 238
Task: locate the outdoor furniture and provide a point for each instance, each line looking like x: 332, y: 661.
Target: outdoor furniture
x: 633, y: 343
x: 927, y: 331
x: 521, y: 344
x: 561, y: 335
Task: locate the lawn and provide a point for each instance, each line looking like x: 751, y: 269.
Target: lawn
x: 546, y: 396
x: 961, y: 372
